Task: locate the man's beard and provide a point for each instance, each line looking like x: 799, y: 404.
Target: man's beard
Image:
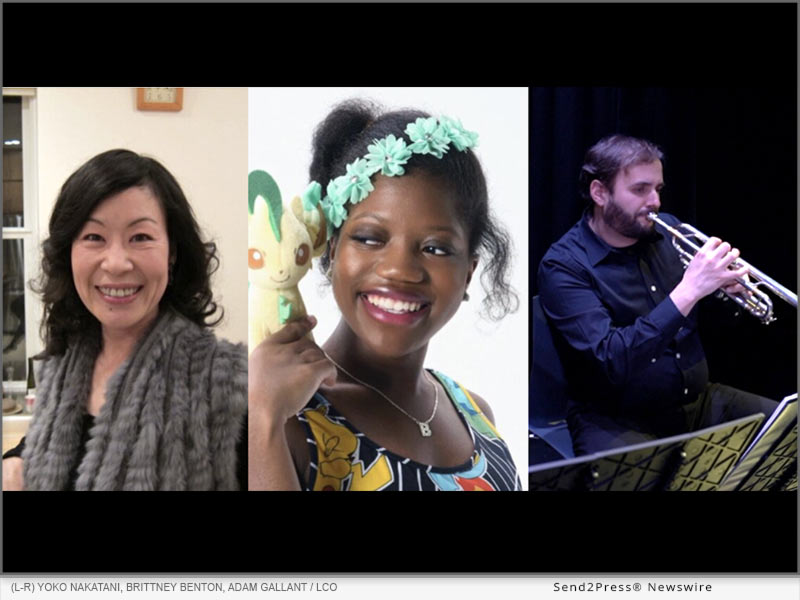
x: 617, y: 219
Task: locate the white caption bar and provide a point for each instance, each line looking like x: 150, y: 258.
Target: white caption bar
x: 393, y: 587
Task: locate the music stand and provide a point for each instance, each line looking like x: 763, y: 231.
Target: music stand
x: 770, y: 462
x: 696, y: 461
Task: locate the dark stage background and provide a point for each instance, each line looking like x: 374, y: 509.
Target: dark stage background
x: 730, y: 169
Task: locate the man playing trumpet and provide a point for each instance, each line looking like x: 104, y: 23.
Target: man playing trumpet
x: 623, y: 307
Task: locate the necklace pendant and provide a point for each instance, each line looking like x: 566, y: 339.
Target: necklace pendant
x: 425, y: 429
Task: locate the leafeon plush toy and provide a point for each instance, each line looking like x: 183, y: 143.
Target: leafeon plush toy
x: 282, y: 241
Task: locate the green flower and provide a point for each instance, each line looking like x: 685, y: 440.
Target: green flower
x: 388, y: 155
x: 355, y: 186
x: 460, y: 137
x: 333, y: 207
x: 428, y: 136
x: 311, y: 197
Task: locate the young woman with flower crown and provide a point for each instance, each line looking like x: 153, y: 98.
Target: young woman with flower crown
x: 408, y: 218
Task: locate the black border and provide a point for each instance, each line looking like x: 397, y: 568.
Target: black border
x: 278, y: 532
x: 310, y: 44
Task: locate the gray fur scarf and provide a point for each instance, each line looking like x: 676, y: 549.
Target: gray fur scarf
x: 172, y: 416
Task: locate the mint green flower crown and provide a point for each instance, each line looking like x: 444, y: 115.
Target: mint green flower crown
x: 388, y: 155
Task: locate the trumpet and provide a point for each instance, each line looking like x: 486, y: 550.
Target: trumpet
x: 755, y: 300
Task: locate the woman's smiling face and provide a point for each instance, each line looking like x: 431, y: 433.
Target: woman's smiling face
x: 401, y: 263
x: 120, y: 260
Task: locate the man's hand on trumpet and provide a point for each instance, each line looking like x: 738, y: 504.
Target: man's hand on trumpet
x: 736, y: 288
x: 710, y: 270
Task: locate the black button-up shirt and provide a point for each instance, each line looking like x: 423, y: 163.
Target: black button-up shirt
x: 627, y: 349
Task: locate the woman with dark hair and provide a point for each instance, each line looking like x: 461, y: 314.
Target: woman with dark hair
x: 135, y: 392
x: 408, y: 219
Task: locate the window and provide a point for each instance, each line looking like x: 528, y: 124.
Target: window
x: 21, y: 310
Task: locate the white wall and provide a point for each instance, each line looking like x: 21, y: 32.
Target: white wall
x: 491, y: 359
x: 204, y: 146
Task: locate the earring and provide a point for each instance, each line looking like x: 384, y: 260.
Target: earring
x: 466, y: 297
x: 170, y: 273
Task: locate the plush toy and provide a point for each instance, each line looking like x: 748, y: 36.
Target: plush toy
x: 282, y: 242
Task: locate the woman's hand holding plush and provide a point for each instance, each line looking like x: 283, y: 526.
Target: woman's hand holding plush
x: 285, y: 371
